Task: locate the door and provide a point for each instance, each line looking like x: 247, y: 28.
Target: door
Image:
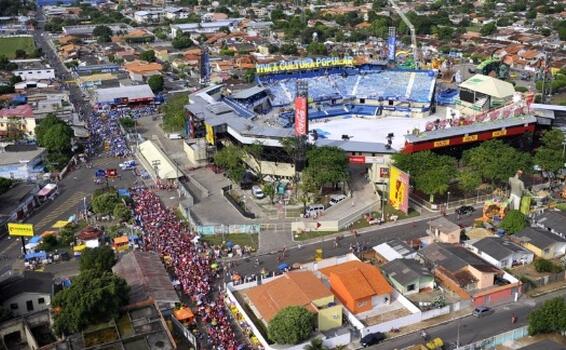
x: 29, y: 305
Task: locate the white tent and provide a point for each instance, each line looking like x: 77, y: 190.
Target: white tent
x: 156, y: 158
x: 489, y: 86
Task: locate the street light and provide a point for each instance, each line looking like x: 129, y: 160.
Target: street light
x: 447, y: 200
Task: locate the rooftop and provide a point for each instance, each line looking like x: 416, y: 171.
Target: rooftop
x: 554, y: 220
x: 498, y: 248
x: 28, y: 282
x: 405, y: 271
x: 489, y: 86
x: 537, y: 237
x: 443, y: 224
x: 142, y: 67
x: 454, y: 258
x: 130, y: 92
x: 14, y: 196
x: 359, y: 279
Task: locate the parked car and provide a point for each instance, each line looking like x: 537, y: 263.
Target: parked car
x: 257, y: 192
x: 336, y: 198
x: 128, y: 165
x: 372, y: 339
x: 465, y: 210
x: 313, y: 210
x: 482, y: 311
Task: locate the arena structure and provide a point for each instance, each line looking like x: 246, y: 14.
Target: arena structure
x: 367, y: 110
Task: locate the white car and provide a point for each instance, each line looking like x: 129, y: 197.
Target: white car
x: 257, y: 192
x: 128, y: 165
x: 336, y: 198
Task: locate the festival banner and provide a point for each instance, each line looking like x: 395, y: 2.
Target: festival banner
x: 399, y: 189
x: 301, y: 116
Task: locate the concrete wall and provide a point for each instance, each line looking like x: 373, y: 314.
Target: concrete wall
x: 330, y: 318
x: 485, y: 279
x: 21, y: 300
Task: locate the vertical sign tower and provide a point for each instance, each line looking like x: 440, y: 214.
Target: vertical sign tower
x: 301, y: 123
x: 204, y: 66
x: 391, y: 45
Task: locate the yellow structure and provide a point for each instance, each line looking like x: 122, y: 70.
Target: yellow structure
x: 20, y: 230
x: 209, y: 134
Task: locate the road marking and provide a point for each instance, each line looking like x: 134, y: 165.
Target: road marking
x: 55, y: 214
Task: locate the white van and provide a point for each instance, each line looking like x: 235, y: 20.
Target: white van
x: 336, y: 198
x: 175, y: 136
x: 314, y: 210
x: 257, y: 192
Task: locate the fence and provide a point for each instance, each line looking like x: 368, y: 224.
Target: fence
x: 208, y: 230
x: 480, y: 198
x: 237, y: 205
x: 492, y: 342
x: 185, y: 332
x: 543, y: 281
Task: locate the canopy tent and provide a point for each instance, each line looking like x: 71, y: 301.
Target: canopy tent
x: 35, y: 239
x: 184, y: 314
x: 41, y: 255
x: 60, y: 224
x: 123, y: 192
x: 121, y: 240
x: 158, y: 160
x: 79, y: 248
x: 47, y: 190
x: 47, y: 233
x: 489, y: 86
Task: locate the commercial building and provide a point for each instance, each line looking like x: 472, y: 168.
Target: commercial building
x: 124, y: 95
x: 204, y: 27
x: 22, y: 162
x: 34, y: 71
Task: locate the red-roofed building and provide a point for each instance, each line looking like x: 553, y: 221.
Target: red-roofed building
x: 17, y: 121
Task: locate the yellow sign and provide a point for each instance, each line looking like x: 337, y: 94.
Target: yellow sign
x: 470, y: 138
x: 441, y: 143
x: 399, y: 189
x: 21, y: 230
x: 209, y: 134
x: 498, y: 133
x: 306, y: 63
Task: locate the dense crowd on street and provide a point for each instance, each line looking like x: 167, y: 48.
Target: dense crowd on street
x: 190, y: 262
x: 105, y: 130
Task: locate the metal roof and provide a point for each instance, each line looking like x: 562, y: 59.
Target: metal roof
x: 405, y: 271
x: 489, y: 86
x: 470, y: 129
x: 355, y: 146
x: 538, y: 237
x: 247, y: 93
x: 131, y: 92
x: 499, y: 248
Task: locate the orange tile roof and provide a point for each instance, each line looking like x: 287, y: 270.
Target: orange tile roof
x: 529, y: 54
x: 359, y: 279
x: 296, y: 288
x: 142, y: 67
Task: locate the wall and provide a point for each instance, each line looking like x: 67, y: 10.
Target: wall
x: 21, y: 300
x: 450, y: 284
x: 485, y: 279
x: 271, y: 168
x: 36, y: 74
x: 330, y: 318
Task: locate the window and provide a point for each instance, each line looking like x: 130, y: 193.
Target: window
x: 29, y: 305
x: 41, y: 301
x: 14, y: 306
x: 411, y: 287
x: 547, y: 250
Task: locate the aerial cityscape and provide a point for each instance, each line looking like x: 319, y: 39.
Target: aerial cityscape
x: 286, y: 175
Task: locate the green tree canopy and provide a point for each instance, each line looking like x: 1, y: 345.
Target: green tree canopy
x: 174, y: 112
x: 549, y: 156
x: 148, y: 56
x: 54, y: 134
x: 291, y: 325
x: 182, y: 41
x: 99, y: 259
x: 316, y: 344
x: 496, y: 161
x: 468, y: 181
x: 548, y: 318
x: 156, y: 82
x: 121, y: 212
x: 513, y: 222
x: 92, y: 298
x: 5, y: 184
x: 230, y: 158
x: 488, y: 29
x: 326, y: 165
x: 104, y: 203
x: 102, y: 33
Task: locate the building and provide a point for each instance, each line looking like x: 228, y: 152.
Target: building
x: 545, y: 344
x: 27, y: 292
x: 17, y: 203
x: 543, y: 243
x: 394, y: 249
x: 124, y: 95
x: 553, y: 221
x: 296, y: 288
x: 141, y: 71
x: 30, y: 331
x: 444, y: 231
x: 87, y: 29
x: 204, y: 27
x: 360, y: 287
x: 147, y: 279
x: 175, y: 13
x: 17, y: 121
x: 148, y: 16
x: 23, y: 162
x: 500, y: 252
x: 482, y: 93
x: 34, y: 71
x: 408, y: 276
x: 90, y: 237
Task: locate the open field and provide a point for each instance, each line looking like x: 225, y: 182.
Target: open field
x: 8, y: 46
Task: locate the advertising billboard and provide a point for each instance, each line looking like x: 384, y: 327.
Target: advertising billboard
x: 301, y: 117
x: 209, y: 134
x: 391, y: 48
x: 399, y: 189
x: 20, y: 230
x: 304, y: 63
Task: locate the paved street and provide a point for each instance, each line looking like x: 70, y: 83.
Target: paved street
x: 473, y: 329
x: 368, y: 239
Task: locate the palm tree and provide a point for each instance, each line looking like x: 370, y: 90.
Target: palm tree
x: 315, y: 344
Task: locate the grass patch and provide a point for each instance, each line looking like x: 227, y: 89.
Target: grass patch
x: 241, y: 239
x: 8, y: 46
x: 473, y: 28
x: 303, y: 236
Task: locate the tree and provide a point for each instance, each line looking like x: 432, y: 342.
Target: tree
x: 230, y: 158
x: 92, y: 298
x: 104, y: 203
x: 67, y: 236
x: 255, y: 150
x: 468, y: 181
x: 19, y: 53
x: 182, y: 41
x: 435, y: 180
x: 495, y: 161
x: 315, y: 344
x: 122, y: 212
x: 127, y: 122
x: 54, y: 134
x: 269, y: 190
x: 5, y: 184
x: 291, y: 325
x: 49, y: 243
x: 549, y: 318
x: 174, y: 112
x: 148, y: 56
x: 102, y: 33
x: 326, y: 165
x: 156, y: 82
x: 513, y: 222
x: 289, y: 49
x: 549, y: 156
x: 488, y: 29
x: 99, y: 260
x: 543, y: 265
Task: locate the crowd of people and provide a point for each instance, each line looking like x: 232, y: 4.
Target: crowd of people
x: 105, y: 129
x: 191, y: 263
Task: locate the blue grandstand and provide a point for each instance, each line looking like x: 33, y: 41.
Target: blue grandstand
x: 349, y: 83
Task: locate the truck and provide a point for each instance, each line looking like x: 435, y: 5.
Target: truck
x: 434, y: 344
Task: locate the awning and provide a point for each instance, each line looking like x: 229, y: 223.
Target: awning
x: 37, y: 255
x: 184, y: 314
x: 121, y: 240
x: 46, y: 190
x: 157, y: 159
x: 123, y: 192
x: 35, y: 239
x: 79, y: 248
x: 489, y: 86
x: 60, y: 224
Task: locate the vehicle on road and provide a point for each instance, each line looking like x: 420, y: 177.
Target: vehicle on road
x: 336, y: 198
x: 372, y: 339
x: 313, y: 210
x: 128, y: 165
x: 257, y: 192
x: 482, y: 311
x: 465, y: 210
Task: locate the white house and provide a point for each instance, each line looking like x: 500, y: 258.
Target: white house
x: 174, y: 13
x: 27, y: 292
x: 500, y: 252
x: 205, y: 27
x: 34, y: 74
x: 149, y: 16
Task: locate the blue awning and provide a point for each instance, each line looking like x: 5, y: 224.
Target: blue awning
x: 37, y: 255
x: 35, y: 239
x: 123, y: 192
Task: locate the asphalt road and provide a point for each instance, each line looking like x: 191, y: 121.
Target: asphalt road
x: 306, y: 253
x: 472, y: 329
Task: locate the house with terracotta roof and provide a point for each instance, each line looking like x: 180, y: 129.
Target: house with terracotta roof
x: 359, y: 286
x: 295, y: 288
x: 141, y: 70
x: 17, y: 120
